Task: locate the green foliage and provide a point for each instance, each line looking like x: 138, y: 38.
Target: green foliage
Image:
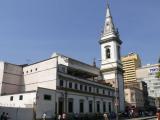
x: 158, y: 74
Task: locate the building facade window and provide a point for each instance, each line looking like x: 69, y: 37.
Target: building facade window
x: 85, y: 87
x: 97, y: 90
x: 109, y: 107
x: 90, y: 106
x: 47, y: 97
x: 11, y: 98
x: 61, y: 83
x: 76, y: 86
x: 109, y: 93
x: 70, y: 105
x: 108, y: 52
x: 98, y: 106
x: 104, y: 106
x: 81, y: 87
x: 81, y: 106
x: 103, y: 92
x: 70, y: 85
x: 21, y: 97
x: 90, y: 89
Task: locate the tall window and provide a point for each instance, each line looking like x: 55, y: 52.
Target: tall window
x: 21, y: 97
x: 104, y: 92
x: 11, y: 98
x: 85, y: 88
x: 104, y: 106
x: 97, y: 90
x: 70, y: 85
x: 81, y: 87
x: 90, y: 89
x: 109, y: 93
x: 108, y: 52
x: 81, y: 106
x: 90, y: 106
x: 109, y: 106
x: 70, y: 105
x: 98, y: 106
x: 76, y: 86
x: 61, y: 83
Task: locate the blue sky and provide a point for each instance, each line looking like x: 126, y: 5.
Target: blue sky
x: 34, y: 29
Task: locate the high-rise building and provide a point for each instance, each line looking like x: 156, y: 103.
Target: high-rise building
x: 130, y: 63
x: 148, y: 74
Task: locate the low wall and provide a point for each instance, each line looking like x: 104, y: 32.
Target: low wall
x: 18, y: 113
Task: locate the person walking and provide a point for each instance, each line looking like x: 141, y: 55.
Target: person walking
x: 59, y: 117
x: 105, y: 116
x: 158, y: 114
x: 6, y: 117
x: 44, y: 116
x: 2, y: 116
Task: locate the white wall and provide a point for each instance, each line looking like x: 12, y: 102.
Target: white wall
x: 113, y: 48
x: 42, y: 74
x: 86, y: 98
x: 45, y: 106
x: 27, y: 102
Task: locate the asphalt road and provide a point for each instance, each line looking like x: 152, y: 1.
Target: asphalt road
x: 144, y: 118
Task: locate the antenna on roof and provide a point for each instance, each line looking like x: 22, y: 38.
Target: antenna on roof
x: 94, y: 62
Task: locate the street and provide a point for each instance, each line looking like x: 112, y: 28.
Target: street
x: 144, y: 118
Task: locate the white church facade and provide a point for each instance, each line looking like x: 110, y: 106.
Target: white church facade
x: 63, y: 84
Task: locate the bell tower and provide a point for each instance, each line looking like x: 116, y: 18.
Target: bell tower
x: 111, y: 66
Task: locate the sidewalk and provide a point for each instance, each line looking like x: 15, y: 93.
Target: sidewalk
x: 143, y: 118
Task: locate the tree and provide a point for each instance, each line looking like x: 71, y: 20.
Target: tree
x: 158, y: 73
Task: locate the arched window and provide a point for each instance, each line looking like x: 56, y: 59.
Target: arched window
x: 108, y: 53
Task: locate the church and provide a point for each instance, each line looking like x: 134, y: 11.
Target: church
x: 61, y: 84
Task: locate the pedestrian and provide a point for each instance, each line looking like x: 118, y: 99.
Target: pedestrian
x: 2, y: 116
x: 6, y: 117
x: 59, y: 117
x: 76, y: 116
x: 44, y: 116
x: 158, y: 114
x: 64, y: 117
x: 105, y: 116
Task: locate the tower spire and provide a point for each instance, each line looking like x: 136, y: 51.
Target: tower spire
x: 109, y: 27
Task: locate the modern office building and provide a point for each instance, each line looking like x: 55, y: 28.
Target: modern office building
x: 130, y: 63
x: 148, y: 74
